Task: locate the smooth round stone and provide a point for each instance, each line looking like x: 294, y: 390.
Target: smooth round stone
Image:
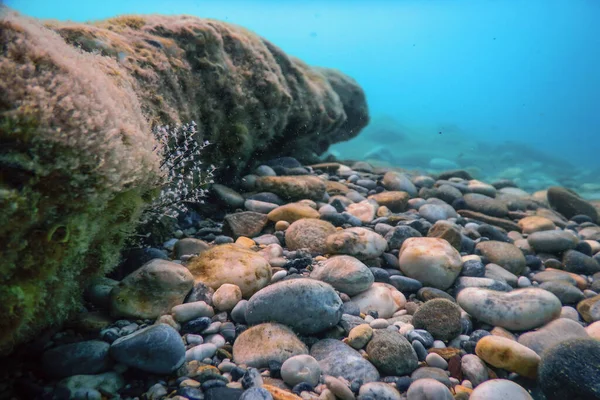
x: 520, y: 310
x: 590, y: 309
x: 338, y: 388
x: 554, y: 275
x: 464, y: 282
x: 391, y: 353
x: 381, y: 297
x: 476, y: 186
x: 551, y: 334
x: 258, y: 345
x: 279, y: 275
x: 397, y: 181
x: 555, y: 241
x: 359, y: 336
x: 158, y: 349
x: 359, y: 242
x: 473, y: 268
x: 345, y: 273
x: 189, y: 311
x: 230, y: 263
x: 227, y: 195
x: 201, y: 352
x: 566, y: 293
x: 151, y: 290
x: 499, y: 389
x: 226, y: 297
x: 579, y: 263
x: 379, y: 390
x: 570, y: 313
x: 437, y: 212
x: 216, y: 339
x: 396, y: 236
x: 431, y: 261
x: 405, y: 285
x: 429, y: 372
x: 298, y: 302
x: 256, y: 393
x: 258, y: 206
x: 569, y: 370
x: 238, y: 314
x: 89, y: 357
x: 429, y: 293
x: 535, y: 223
x: 338, y: 359
x: 301, y: 368
x: 570, y: 204
x: 309, y: 233
x: 422, y: 336
x: 439, y: 317
x: 509, y: 355
x: 494, y: 271
x: 436, y: 361
x: 506, y: 255
x: 379, y: 323
x: 447, y: 231
x: 428, y: 389
x: 485, y: 205
x: 523, y: 282
x: 419, y: 350
x: 396, y: 201
x: 474, y: 369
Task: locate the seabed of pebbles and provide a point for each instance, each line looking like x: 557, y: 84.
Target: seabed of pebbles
x: 337, y: 282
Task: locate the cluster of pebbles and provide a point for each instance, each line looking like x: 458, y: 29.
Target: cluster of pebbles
x: 336, y: 282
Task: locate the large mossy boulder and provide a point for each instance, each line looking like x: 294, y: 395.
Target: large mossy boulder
x: 76, y: 163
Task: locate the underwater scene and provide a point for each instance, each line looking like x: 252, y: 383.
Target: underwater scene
x: 300, y: 200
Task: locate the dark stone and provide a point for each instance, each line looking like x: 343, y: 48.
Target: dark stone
x: 455, y: 173
x: 473, y: 268
x: 566, y: 293
x: 196, y: 325
x: 355, y: 385
x: 266, y: 197
x: 158, y: 349
x: 284, y: 162
x: 334, y: 218
x: 237, y: 373
x: 298, y: 263
x: 212, y: 383
x: 89, y: 357
x: 478, y: 335
x: 256, y: 393
x: 533, y: 262
x: 466, y: 326
x: 569, y: 204
x: 338, y: 359
x: 585, y: 248
x: 421, y: 225
x: 223, y: 393
x: 251, y: 378
x: 222, y: 239
x: 338, y: 205
x: 190, y: 393
x: 275, y: 369
x: 420, y: 350
x: 493, y: 233
x: 391, y: 353
x: 302, y: 387
x: 430, y: 293
x: 397, y: 235
x: 504, y: 183
x: 569, y: 370
x: 580, y: 263
x: 351, y: 308
x: 467, y: 245
x: 580, y: 218
x: 422, y: 336
x: 380, y: 275
x: 405, y: 284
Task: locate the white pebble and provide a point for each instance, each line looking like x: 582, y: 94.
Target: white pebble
x: 194, y: 340
x: 200, y: 352
x: 188, y: 311
x: 217, y: 340
x: 301, y: 368
x: 435, y: 360
x: 523, y: 282
x: 279, y: 275
x: 438, y: 344
x: 379, y: 323
x: 212, y: 328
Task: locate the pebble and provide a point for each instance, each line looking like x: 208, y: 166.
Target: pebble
x: 258, y: 345
x: 536, y: 223
x: 474, y: 369
x: 396, y: 201
x: 500, y: 389
x: 189, y: 311
x: 158, y: 349
x: 226, y: 297
x: 298, y: 301
x: 494, y: 271
x: 359, y: 242
x: 485, y: 205
x: 569, y: 370
x: 506, y: 255
x: 379, y: 390
x: 396, y: 181
x: 261, y: 207
x: 345, y: 273
x: 440, y: 317
x: 382, y: 298
x: 508, y: 354
x: 308, y: 233
x: 365, y: 210
x: 256, y: 393
x: 579, y: 263
x: 109, y: 383
x: 436, y: 361
x: 391, y: 353
x: 551, y: 334
x: 340, y: 360
x: 523, y: 282
x: 379, y: 323
x: 301, y: 368
x: 244, y: 224
x: 230, y: 263
x: 338, y: 388
x: 570, y: 204
x: 428, y: 389
x: 396, y: 236
x: 555, y: 241
x: 88, y: 357
x: 473, y: 268
x: 151, y: 290
x: 434, y: 373
x: 521, y: 309
x: 590, y: 308
x: 437, y: 212
x: 431, y: 261
x: 566, y: 292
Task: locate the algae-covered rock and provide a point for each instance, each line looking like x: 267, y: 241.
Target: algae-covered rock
x: 76, y: 166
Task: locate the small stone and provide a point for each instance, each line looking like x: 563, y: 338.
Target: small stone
x: 151, y: 290
x: 396, y: 201
x: 521, y: 309
x: 338, y: 359
x: 256, y: 393
x: 379, y: 323
x: 293, y: 187
x: 535, y: 224
x: 499, y: 389
x: 261, y: 207
x: 345, y: 273
x: 570, y: 204
x: 157, y: 349
x: 89, y: 357
x: 439, y: 317
x: 437, y: 212
x: 365, y: 210
x: 292, y: 212
x: 391, y: 353
x: 498, y: 273
x: 301, y: 368
x: 508, y: 354
x: 507, y: 255
x: 359, y: 242
x: 396, y: 181
x: 189, y: 311
x: 266, y: 342
x: 474, y: 369
x: 308, y: 233
x: 447, y: 231
x: 359, y: 336
x: 338, y: 388
x: 436, y: 361
x: 434, y: 373
x: 566, y: 292
x: 226, y: 297
x: 379, y: 390
x: 382, y: 298
x: 298, y: 301
x: 486, y: 205
x: 246, y: 223
x: 566, y: 370
x: 590, y: 309
x: 428, y: 389
x: 281, y: 225
x: 551, y: 334
x: 189, y: 246
x: 579, y: 263
x: 555, y: 241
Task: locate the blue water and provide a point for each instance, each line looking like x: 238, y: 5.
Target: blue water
x: 454, y: 77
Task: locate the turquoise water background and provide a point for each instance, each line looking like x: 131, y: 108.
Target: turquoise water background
x: 505, y: 88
